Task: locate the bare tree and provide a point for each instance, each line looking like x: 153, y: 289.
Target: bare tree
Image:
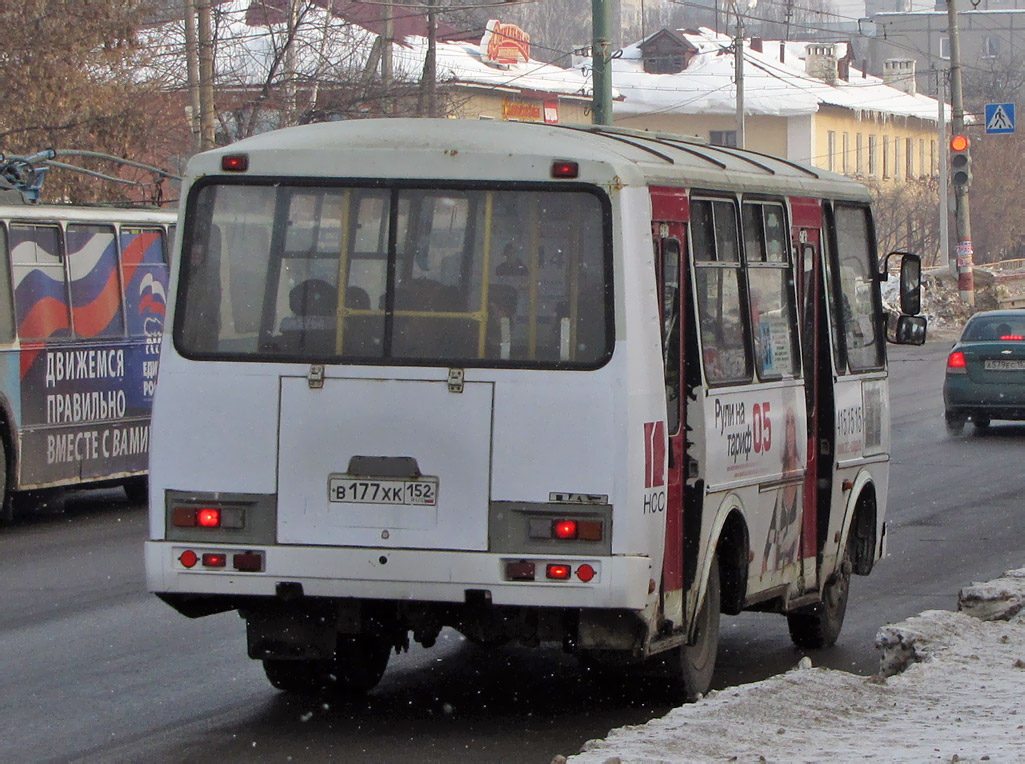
x: 71, y: 77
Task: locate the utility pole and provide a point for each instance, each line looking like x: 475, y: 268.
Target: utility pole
x: 429, y: 81
x: 601, y: 65
x: 192, y: 67
x: 962, y: 217
x: 941, y: 121
x: 206, y: 75
x: 738, y: 59
x: 386, y: 57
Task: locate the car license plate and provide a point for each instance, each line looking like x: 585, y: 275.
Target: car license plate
x: 349, y: 489
x: 1004, y: 365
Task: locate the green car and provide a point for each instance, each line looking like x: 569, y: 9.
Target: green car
x: 985, y: 377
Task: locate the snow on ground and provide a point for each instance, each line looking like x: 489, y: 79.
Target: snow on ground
x: 949, y: 690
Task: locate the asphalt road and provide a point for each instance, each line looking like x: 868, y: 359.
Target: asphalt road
x: 96, y: 669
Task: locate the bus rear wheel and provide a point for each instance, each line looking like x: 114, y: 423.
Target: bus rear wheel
x: 819, y: 626
x: 692, y: 666
x: 356, y: 668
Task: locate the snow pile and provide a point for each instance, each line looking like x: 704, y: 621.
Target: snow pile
x: 955, y: 699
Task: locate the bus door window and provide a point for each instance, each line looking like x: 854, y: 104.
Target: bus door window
x: 6, y: 314
x: 860, y: 309
x: 670, y: 281
x: 40, y: 293
x: 716, y: 253
x: 95, y: 281
x: 771, y: 289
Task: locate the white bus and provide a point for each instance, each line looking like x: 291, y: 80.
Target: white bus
x: 535, y: 383
x: 83, y: 292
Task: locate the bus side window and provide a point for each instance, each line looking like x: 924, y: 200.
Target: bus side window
x: 95, y: 281
x: 40, y: 294
x: 770, y: 286
x: 144, y: 271
x: 717, y: 284
x: 6, y: 314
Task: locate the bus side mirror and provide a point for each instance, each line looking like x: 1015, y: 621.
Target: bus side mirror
x: 911, y: 286
x: 910, y: 330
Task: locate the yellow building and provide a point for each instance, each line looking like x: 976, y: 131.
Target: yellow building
x: 803, y: 101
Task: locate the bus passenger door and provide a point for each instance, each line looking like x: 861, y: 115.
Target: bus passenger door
x: 818, y: 377
x: 668, y: 241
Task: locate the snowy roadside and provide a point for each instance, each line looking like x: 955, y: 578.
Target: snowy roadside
x: 949, y: 690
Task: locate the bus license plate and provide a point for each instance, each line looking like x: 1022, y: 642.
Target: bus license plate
x: 421, y: 492
x: 1004, y: 365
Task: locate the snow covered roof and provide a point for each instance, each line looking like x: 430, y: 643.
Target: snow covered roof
x: 771, y: 87
x: 248, y: 44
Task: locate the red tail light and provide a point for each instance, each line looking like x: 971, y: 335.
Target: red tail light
x: 565, y: 529
x: 215, y: 560
x: 208, y: 517
x: 956, y: 360
x: 558, y: 571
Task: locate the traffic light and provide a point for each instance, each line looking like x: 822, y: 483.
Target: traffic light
x: 960, y: 161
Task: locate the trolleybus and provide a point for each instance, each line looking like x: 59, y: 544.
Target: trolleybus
x: 534, y: 383
x: 82, y: 298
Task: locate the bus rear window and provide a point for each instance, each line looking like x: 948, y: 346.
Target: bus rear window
x: 435, y: 276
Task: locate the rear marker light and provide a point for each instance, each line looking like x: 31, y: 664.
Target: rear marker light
x: 564, y: 529
x: 208, y: 517
x: 563, y: 169
x: 585, y: 572
x: 215, y: 560
x: 248, y: 562
x: 188, y: 558
x: 558, y: 572
x: 235, y: 162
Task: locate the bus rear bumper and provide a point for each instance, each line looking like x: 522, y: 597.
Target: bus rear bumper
x: 618, y: 582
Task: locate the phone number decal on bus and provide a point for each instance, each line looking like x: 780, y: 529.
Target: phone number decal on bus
x: 421, y: 492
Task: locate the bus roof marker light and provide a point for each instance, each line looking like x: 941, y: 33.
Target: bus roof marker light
x: 235, y: 162
x: 562, y: 168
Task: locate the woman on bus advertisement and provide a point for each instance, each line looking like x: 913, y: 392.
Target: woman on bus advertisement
x: 782, y: 541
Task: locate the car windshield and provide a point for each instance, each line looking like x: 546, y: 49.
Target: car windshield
x: 995, y: 328
x: 501, y: 276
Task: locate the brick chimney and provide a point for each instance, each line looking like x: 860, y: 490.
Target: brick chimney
x: 820, y: 62
x: 900, y: 73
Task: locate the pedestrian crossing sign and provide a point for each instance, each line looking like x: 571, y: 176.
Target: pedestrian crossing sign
x: 1000, y: 118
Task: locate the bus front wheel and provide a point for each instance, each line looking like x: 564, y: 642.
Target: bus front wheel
x: 356, y: 668
x: 691, y: 666
x: 819, y: 626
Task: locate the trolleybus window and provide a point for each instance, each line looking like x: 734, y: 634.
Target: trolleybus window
x: 717, y: 284
x: 95, y: 304
x: 412, y: 275
x: 6, y: 314
x: 39, y: 295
